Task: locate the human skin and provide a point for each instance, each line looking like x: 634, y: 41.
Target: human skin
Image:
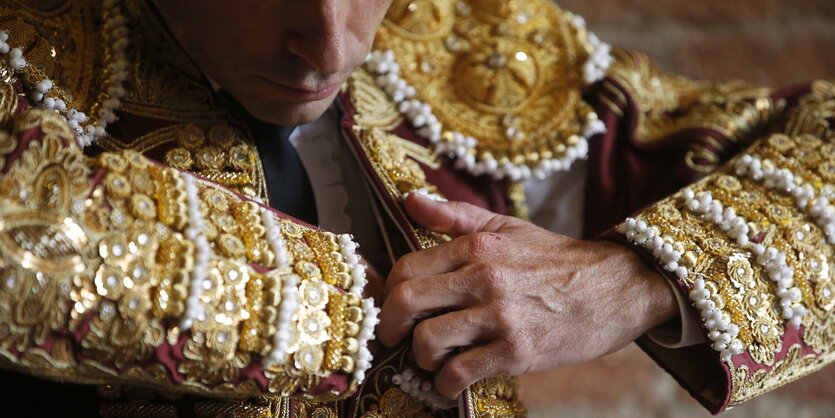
x: 305, y: 49
x: 518, y: 297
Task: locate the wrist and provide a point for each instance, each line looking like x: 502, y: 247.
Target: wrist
x: 653, y: 295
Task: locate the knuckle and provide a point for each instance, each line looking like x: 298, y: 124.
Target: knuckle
x: 403, y: 269
x: 519, y: 349
x: 481, y: 244
x: 423, y: 346
x: 515, y: 349
x: 498, y: 221
x: 403, y: 297
x: 423, y: 337
x: 458, y: 372
x: 504, y: 319
x: 492, y: 277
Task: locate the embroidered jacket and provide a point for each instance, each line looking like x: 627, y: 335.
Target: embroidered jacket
x: 146, y: 259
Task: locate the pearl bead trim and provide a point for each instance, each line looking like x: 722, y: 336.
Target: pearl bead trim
x: 281, y: 338
x: 809, y: 198
x: 462, y: 148
x: 638, y: 232
x: 601, y: 56
x: 195, y: 311
x: 722, y: 332
x: 117, y: 69
x: 363, y: 356
x: 348, y: 249
x: 276, y: 241
x: 770, y: 258
x: 421, y: 390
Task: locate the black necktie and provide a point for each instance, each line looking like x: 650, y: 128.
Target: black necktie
x: 287, y: 182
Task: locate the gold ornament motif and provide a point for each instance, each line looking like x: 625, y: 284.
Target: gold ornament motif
x: 112, y: 259
x: 509, y: 74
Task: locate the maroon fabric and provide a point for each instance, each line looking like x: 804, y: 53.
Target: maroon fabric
x: 624, y: 177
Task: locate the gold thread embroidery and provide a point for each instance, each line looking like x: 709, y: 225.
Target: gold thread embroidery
x: 508, y: 74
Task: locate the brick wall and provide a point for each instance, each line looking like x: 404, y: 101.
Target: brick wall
x: 773, y: 42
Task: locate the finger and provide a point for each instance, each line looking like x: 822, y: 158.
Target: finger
x: 444, y: 258
x: 453, y: 218
x: 435, y: 338
x: 415, y: 299
x: 478, y: 363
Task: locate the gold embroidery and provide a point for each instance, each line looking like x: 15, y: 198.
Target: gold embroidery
x: 667, y: 104
x: 739, y: 286
x: 519, y: 206
x: 495, y: 397
x: 111, y: 265
x: 60, y: 48
x: 165, y: 84
x: 509, y: 75
x: 747, y: 386
x: 316, y: 410
x: 396, y: 403
x: 400, y: 173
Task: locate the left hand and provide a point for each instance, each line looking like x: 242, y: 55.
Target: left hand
x: 517, y: 297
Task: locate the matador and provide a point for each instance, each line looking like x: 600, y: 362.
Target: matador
x: 388, y: 208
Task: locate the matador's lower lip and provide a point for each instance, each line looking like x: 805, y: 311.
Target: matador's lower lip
x: 298, y: 94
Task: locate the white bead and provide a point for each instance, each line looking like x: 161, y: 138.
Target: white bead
x: 44, y: 86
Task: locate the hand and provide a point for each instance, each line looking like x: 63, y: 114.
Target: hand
x: 516, y: 297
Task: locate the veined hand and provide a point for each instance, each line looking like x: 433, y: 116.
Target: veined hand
x: 515, y: 297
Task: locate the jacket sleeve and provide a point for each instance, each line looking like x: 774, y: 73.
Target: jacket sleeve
x: 752, y: 246
x: 117, y: 269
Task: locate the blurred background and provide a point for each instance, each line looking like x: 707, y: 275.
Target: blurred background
x: 771, y: 42
x: 774, y: 42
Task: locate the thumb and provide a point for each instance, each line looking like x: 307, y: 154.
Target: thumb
x: 452, y: 218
